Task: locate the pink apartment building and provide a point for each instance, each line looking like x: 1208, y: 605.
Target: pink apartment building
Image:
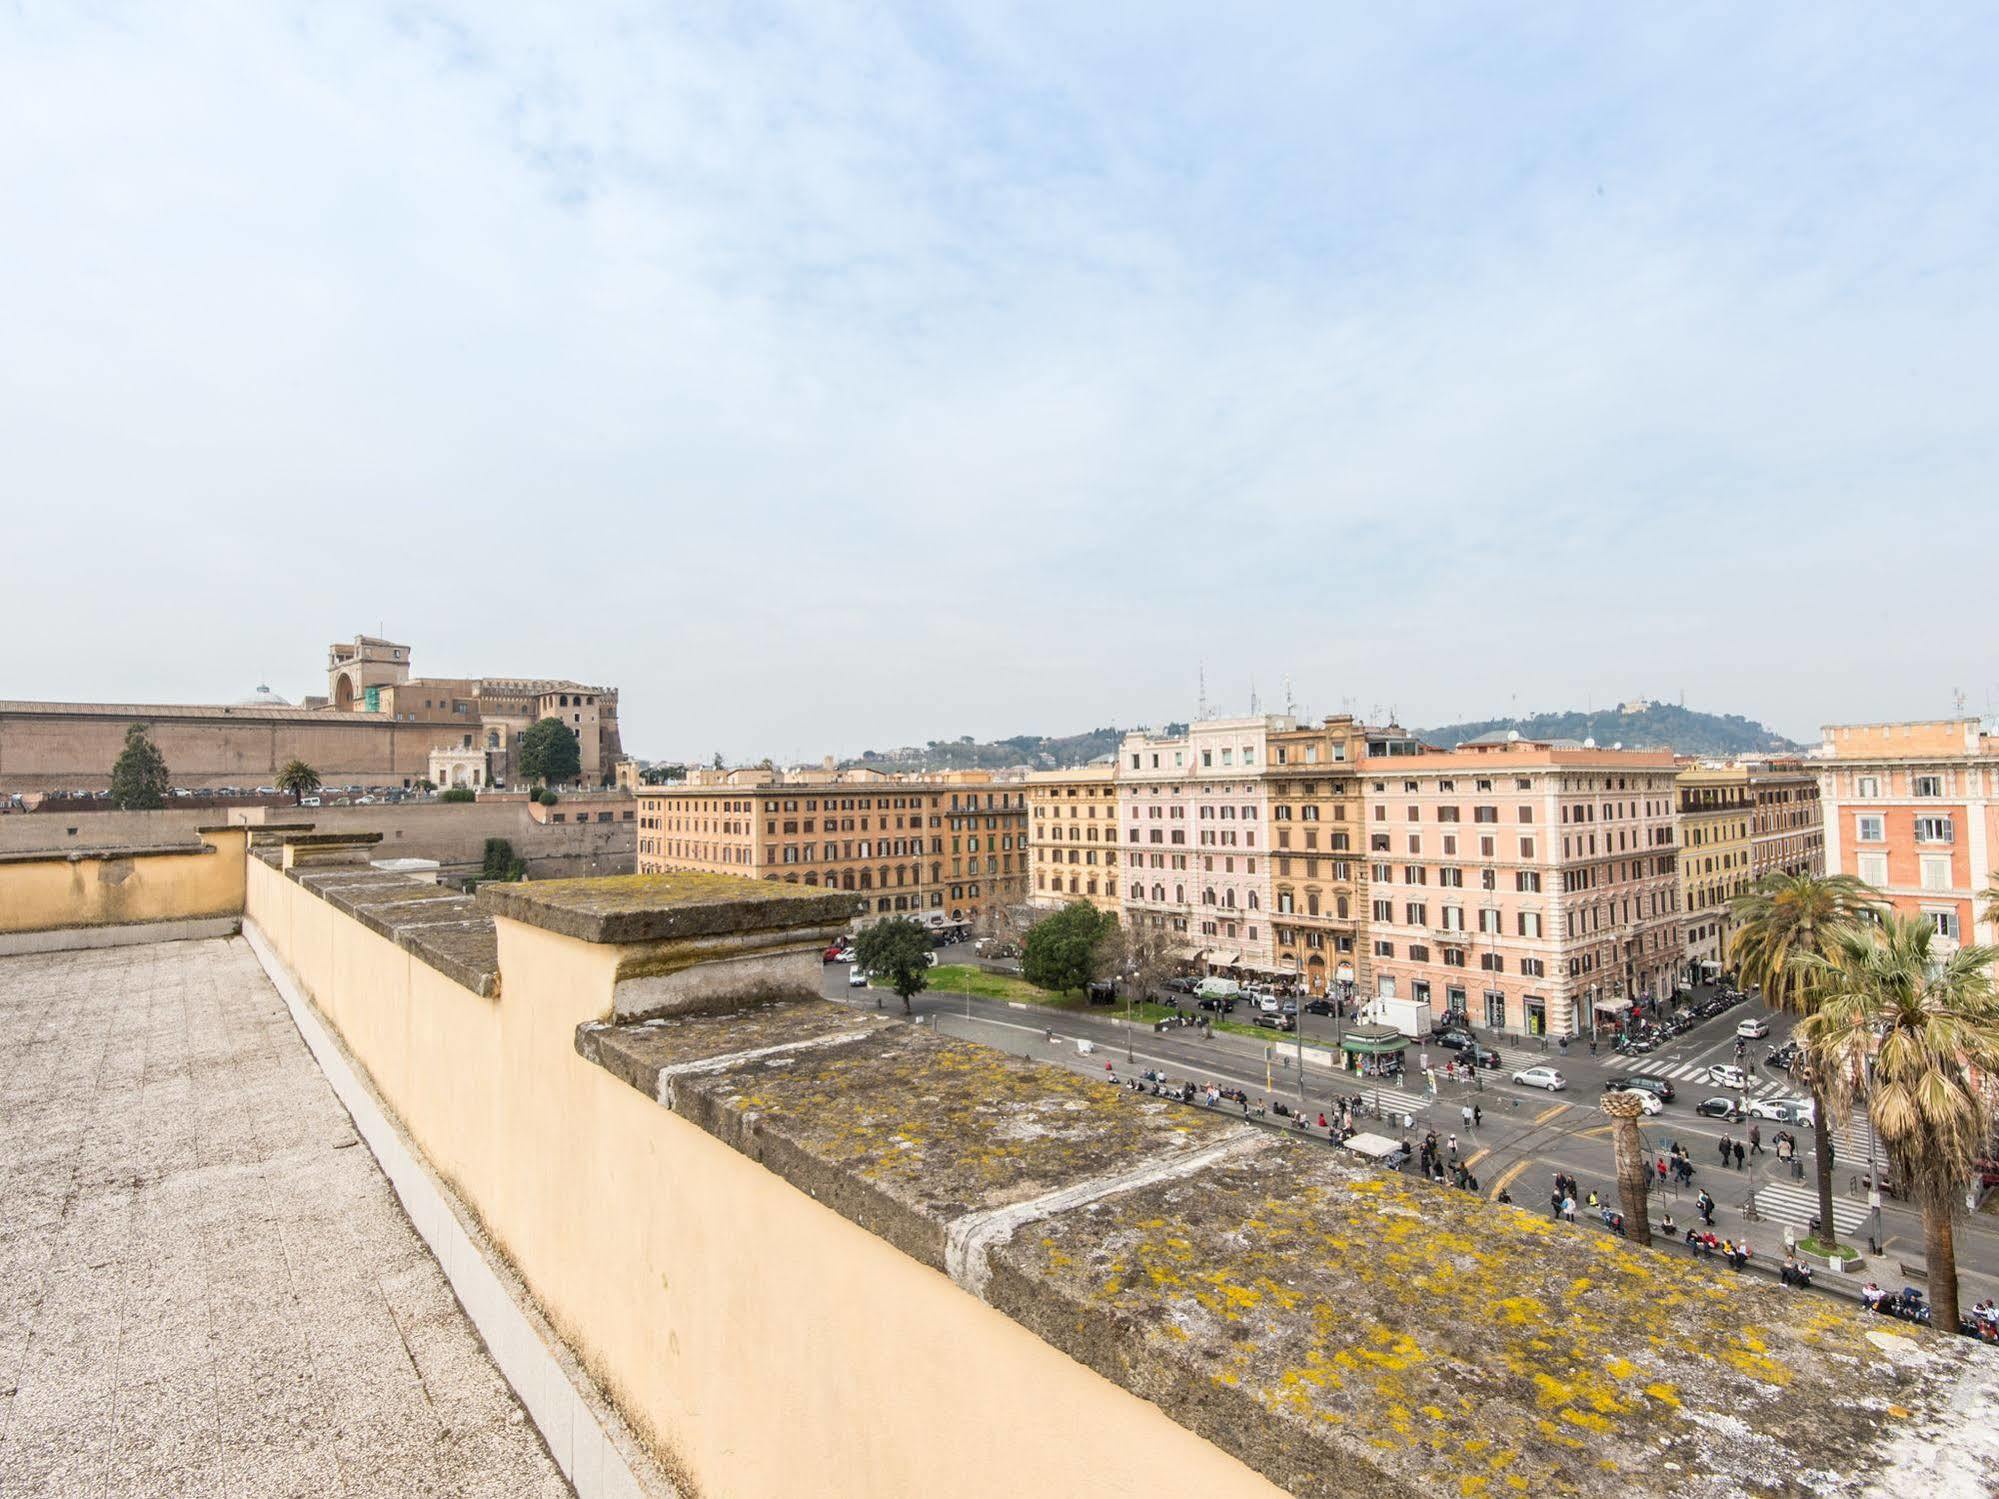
x: 1530, y: 887
x: 1913, y: 809
x: 1195, y: 810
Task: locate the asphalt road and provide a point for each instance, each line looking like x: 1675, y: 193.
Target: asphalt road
x: 1524, y: 1136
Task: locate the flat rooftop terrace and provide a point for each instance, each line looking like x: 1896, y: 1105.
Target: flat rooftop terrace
x: 207, y: 1286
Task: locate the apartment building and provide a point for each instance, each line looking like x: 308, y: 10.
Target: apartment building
x: 1072, y: 836
x: 1195, y: 811
x: 1788, y: 831
x: 940, y: 848
x: 1319, y: 874
x: 1913, y: 810
x: 1528, y: 887
x: 1716, y: 809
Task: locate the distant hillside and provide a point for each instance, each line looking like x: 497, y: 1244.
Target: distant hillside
x: 1037, y: 751
x: 1647, y: 726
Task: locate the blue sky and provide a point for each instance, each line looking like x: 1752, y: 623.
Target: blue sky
x: 847, y: 377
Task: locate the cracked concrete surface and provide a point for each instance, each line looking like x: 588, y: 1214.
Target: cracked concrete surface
x: 206, y: 1284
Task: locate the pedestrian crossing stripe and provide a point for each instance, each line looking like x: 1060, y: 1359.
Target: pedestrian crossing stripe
x: 1798, y: 1205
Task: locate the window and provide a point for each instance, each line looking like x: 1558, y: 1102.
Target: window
x: 1935, y: 871
x: 1926, y: 786
x: 1933, y: 830
x: 1945, y: 921
x: 1868, y: 829
x: 1530, y: 923
x: 1867, y: 786
x: 1874, y: 869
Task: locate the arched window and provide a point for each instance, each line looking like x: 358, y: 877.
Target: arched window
x: 812, y: 877
x: 882, y: 904
x: 1158, y: 893
x: 1341, y: 905
x: 1179, y: 895
x: 1254, y: 903
x: 847, y: 880
x: 1228, y: 899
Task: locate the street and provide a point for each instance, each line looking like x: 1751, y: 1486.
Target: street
x: 1524, y: 1135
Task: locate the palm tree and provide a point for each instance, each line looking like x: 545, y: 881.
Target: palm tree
x: 1912, y: 1029
x: 1786, y: 928
x: 299, y: 779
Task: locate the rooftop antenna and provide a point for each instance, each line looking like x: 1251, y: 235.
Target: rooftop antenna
x: 1252, y: 697
x: 1957, y: 695
x: 1288, y: 707
x: 1202, y: 714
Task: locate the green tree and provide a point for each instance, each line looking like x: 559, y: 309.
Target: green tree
x: 898, y: 951
x: 1065, y: 951
x: 299, y: 778
x: 1912, y: 1030
x: 1787, y: 927
x: 139, y: 775
x: 549, y: 753
x: 458, y: 794
x: 501, y: 862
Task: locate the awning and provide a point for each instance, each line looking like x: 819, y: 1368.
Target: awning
x: 1373, y: 1040
x: 1374, y: 1147
x: 1612, y: 1006
x: 1229, y: 960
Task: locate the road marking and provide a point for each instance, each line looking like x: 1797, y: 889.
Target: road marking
x: 1546, y: 1114
x: 1796, y: 1205
x: 1476, y: 1156
x: 1600, y: 1129
x: 1509, y: 1176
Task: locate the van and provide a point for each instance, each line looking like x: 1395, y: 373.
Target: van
x: 308, y: 801
x: 1218, y: 989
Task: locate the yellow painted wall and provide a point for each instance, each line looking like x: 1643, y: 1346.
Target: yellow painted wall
x: 65, y: 890
x: 763, y: 1343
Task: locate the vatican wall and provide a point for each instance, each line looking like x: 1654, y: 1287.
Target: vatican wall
x: 52, y: 747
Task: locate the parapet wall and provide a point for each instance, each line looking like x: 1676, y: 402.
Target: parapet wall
x: 78, y: 897
x: 806, y: 1249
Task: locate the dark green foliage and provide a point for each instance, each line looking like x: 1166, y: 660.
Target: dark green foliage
x: 139, y: 775
x: 1654, y: 726
x: 1062, y: 951
x: 546, y: 797
x: 458, y: 794
x: 299, y: 778
x: 501, y: 862
x: 549, y: 753
x: 896, y: 952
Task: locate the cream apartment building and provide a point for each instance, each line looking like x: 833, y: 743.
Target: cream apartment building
x: 1072, y: 832
x: 1913, y: 810
x: 1530, y: 887
x: 1195, y: 810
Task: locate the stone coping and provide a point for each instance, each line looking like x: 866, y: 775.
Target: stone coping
x: 327, y: 840
x: 655, y: 907
x: 435, y: 925
x: 1342, y: 1331
x: 77, y: 855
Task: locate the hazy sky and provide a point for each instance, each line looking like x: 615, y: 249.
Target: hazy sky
x: 854, y: 376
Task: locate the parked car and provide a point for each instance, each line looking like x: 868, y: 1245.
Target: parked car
x: 832, y: 954
x: 1658, y: 1087
x: 1782, y: 1110
x: 1318, y: 1007
x: 1718, y: 1108
x: 1454, y: 1040
x: 857, y: 979
x: 1185, y: 984
x: 1220, y: 1004
x: 1755, y: 1028
x: 1725, y: 1076
x: 1541, y: 1077
x: 1272, y: 1020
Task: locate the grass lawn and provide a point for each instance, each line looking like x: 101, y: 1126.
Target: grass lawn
x: 961, y: 978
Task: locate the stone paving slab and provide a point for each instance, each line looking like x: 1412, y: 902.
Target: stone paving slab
x: 206, y: 1284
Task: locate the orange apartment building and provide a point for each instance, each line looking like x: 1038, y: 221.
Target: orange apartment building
x: 1072, y: 835
x: 1913, y: 810
x: 1319, y: 873
x: 1529, y: 887
x: 942, y: 849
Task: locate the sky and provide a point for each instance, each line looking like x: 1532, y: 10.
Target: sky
x: 851, y: 376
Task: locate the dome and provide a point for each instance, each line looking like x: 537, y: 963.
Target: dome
x: 263, y: 697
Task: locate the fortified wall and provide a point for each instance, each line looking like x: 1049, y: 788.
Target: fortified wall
x: 779, y: 1245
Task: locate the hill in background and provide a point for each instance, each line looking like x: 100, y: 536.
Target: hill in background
x: 1037, y: 751
x: 1635, y: 726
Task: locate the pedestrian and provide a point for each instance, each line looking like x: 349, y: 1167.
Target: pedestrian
x: 1593, y: 1198
x: 1465, y: 1113
x: 1477, y: 1116
x: 1738, y: 1155
x: 1755, y: 1139
x: 1569, y: 1209
x: 1554, y: 1204
x: 1726, y: 1143
x: 1454, y: 1147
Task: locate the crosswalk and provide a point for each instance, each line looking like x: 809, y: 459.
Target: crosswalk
x: 1797, y: 1203
x: 1696, y: 1072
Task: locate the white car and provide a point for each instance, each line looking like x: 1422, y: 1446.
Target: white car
x: 1648, y: 1103
x: 1541, y: 1077
x: 857, y: 978
x: 1755, y: 1028
x: 1782, y: 1110
x: 1723, y: 1076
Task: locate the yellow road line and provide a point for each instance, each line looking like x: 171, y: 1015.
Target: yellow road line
x: 1508, y: 1177
x: 1545, y: 1115
x: 1476, y: 1156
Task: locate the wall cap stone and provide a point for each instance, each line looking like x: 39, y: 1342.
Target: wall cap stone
x: 651, y: 907
x: 81, y: 855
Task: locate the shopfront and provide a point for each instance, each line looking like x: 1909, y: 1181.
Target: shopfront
x: 1373, y: 1050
